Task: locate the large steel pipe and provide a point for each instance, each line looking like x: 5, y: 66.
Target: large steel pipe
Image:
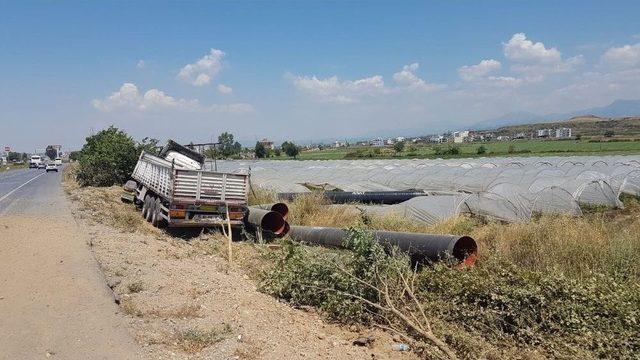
x: 368, y: 197
x: 419, y: 246
x: 268, y: 220
x: 280, y: 208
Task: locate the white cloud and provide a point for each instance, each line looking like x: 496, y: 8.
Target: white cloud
x: 473, y: 72
x: 224, y: 89
x: 407, y: 78
x: 519, y: 48
x: 335, y: 90
x: 129, y: 98
x: 624, y: 56
x: 204, y: 70
x: 534, y: 61
x: 141, y: 64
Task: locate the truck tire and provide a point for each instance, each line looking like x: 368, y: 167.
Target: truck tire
x: 145, y: 207
x: 236, y: 233
x: 156, y: 217
x: 151, y: 209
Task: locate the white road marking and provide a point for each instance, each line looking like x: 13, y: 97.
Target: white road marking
x: 16, y: 189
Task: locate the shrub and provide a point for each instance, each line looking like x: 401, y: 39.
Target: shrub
x: 107, y: 158
x: 449, y: 150
x: 399, y: 146
x: 497, y: 305
x: 481, y: 150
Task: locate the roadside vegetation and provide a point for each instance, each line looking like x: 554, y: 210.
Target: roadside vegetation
x: 557, y: 287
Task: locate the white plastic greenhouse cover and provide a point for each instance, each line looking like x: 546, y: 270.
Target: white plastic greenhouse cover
x: 510, y: 189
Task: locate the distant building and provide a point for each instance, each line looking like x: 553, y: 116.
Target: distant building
x: 544, y: 133
x: 502, y: 138
x: 563, y: 133
x: 268, y: 144
x: 389, y: 141
x: 438, y: 139
x: 377, y: 142
x: 520, y: 135
x: 460, y: 136
x: 400, y: 139
x: 338, y: 144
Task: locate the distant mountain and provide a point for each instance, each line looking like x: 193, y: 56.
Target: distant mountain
x: 512, y: 118
x: 618, y: 108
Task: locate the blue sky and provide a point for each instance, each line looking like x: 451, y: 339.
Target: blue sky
x: 303, y: 70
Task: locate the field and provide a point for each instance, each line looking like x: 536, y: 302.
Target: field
x: 12, y: 167
x: 495, y: 148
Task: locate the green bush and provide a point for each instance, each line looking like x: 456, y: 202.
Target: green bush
x: 449, y: 150
x: 597, y: 315
x: 311, y: 276
x: 496, y: 304
x: 107, y: 158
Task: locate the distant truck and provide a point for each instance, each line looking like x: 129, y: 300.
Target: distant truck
x: 35, y: 162
x: 172, y: 190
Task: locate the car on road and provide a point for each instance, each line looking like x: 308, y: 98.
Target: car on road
x: 58, y: 161
x: 51, y: 167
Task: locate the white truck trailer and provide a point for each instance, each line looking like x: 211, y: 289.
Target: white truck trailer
x: 172, y: 190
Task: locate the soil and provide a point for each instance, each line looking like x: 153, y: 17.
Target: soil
x: 183, y: 300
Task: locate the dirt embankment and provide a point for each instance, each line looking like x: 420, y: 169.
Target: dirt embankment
x: 184, y: 300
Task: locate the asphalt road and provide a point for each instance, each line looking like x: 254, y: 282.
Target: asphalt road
x: 29, y: 191
x: 54, y: 301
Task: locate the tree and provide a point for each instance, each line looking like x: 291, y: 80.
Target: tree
x: 481, y: 150
x: 609, y: 133
x: 398, y: 146
x: 13, y: 156
x: 149, y: 145
x: 290, y: 149
x: 107, y: 158
x: 74, y: 155
x: 227, y: 146
x: 260, y: 150
x: 278, y: 152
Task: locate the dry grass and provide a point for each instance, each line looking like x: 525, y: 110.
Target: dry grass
x: 259, y: 196
x: 185, y: 311
x: 313, y: 210
x: 135, y: 287
x: 195, y: 340
x: 103, y: 204
x: 129, y: 307
x: 603, y: 242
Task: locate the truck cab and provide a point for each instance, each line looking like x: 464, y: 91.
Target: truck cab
x: 35, y: 161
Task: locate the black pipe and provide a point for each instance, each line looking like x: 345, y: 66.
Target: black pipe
x: 419, y: 246
x: 280, y: 208
x: 368, y: 197
x: 270, y: 221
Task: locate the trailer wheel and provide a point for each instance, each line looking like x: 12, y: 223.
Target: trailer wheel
x: 236, y: 233
x: 156, y: 216
x: 145, y: 206
x: 152, y: 208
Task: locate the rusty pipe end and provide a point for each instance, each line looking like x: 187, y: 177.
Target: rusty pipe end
x: 465, y: 250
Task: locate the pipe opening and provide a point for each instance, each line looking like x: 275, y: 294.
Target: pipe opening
x: 465, y: 250
x: 282, y: 209
x: 273, y: 221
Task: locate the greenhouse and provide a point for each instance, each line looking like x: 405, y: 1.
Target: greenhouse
x: 509, y: 189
